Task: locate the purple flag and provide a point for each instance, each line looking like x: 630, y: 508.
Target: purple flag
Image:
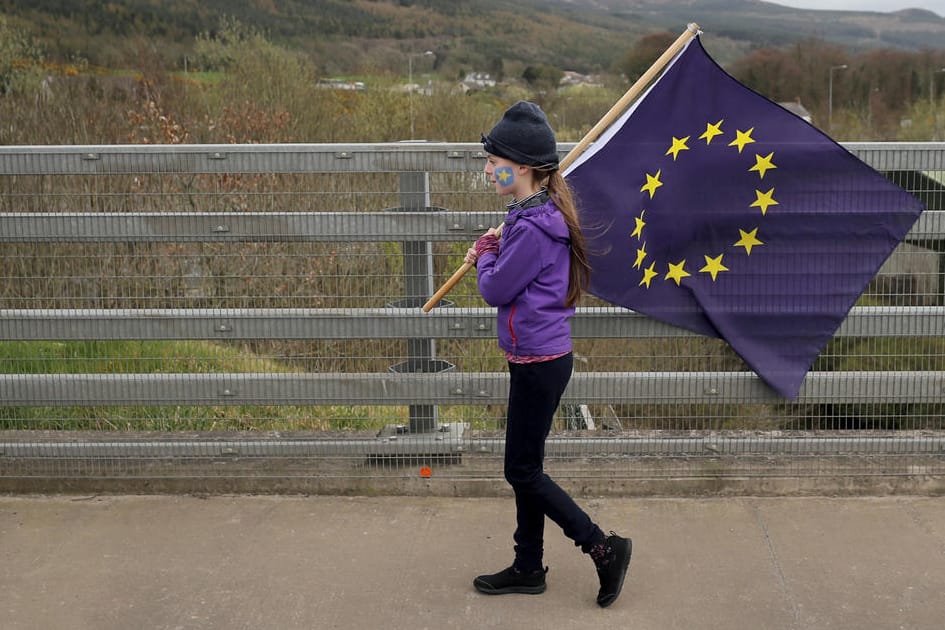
x: 712, y: 208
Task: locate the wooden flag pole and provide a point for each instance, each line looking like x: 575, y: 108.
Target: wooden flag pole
x: 631, y: 95
x: 615, y: 112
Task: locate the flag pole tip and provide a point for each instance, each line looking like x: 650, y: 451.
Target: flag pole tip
x: 694, y: 28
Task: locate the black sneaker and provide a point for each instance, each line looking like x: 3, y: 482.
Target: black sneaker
x: 512, y: 580
x: 612, y: 568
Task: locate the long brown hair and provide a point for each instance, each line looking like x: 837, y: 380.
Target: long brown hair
x: 579, y: 271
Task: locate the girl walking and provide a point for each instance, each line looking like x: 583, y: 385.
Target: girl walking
x: 535, y: 275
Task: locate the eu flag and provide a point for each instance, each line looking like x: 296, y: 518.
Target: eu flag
x: 712, y: 208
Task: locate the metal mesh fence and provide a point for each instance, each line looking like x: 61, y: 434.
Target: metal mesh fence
x: 251, y: 312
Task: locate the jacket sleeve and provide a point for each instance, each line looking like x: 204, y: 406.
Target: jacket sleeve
x: 505, y: 274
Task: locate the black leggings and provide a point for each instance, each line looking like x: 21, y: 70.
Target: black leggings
x: 534, y: 393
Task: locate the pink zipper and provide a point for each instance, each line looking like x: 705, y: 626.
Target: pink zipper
x: 512, y: 328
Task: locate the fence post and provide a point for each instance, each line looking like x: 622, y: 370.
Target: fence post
x: 418, y: 284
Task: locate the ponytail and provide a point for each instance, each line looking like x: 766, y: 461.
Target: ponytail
x: 580, y: 269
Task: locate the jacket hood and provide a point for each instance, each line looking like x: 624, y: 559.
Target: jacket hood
x: 545, y: 217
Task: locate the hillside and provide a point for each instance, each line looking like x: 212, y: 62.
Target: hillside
x: 352, y: 36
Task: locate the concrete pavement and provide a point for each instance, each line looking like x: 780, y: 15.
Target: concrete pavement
x: 287, y: 562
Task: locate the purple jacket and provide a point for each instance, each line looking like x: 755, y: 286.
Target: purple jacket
x: 527, y: 279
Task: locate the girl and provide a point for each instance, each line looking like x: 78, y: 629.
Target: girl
x: 535, y: 275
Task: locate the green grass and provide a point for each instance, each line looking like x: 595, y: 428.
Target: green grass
x: 202, y: 78
x: 152, y: 357
x: 109, y: 357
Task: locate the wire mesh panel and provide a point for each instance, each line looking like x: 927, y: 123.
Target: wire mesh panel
x: 252, y: 312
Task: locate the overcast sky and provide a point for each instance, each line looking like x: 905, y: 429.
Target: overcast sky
x: 884, y: 6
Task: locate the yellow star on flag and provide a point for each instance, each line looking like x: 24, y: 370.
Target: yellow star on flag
x: 748, y: 240
x: 638, y: 230
x: 641, y: 256
x: 741, y: 139
x: 677, y: 272
x: 763, y: 164
x: 711, y: 131
x: 713, y: 266
x: 679, y: 144
x: 764, y: 200
x: 648, y: 274
x: 652, y: 183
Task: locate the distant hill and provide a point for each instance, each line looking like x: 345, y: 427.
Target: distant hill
x: 355, y: 35
x: 768, y: 24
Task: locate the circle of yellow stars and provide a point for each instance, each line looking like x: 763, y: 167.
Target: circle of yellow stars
x: 748, y: 238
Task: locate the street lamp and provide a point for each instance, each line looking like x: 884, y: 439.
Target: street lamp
x: 410, y: 56
x: 932, y: 111
x: 830, y: 94
x: 869, y: 109
x: 932, y: 74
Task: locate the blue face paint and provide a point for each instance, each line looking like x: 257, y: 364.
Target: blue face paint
x: 504, y: 175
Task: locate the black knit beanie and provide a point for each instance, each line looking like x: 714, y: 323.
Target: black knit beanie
x: 523, y: 136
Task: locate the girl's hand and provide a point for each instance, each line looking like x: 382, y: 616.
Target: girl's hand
x: 488, y: 242
x: 471, y: 256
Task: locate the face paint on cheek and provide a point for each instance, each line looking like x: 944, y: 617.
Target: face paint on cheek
x: 504, y: 175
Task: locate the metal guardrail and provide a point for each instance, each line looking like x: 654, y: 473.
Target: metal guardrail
x: 669, y: 446
x: 415, y: 223
x: 432, y: 223
x: 419, y: 156
x: 391, y: 323
x: 470, y: 388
